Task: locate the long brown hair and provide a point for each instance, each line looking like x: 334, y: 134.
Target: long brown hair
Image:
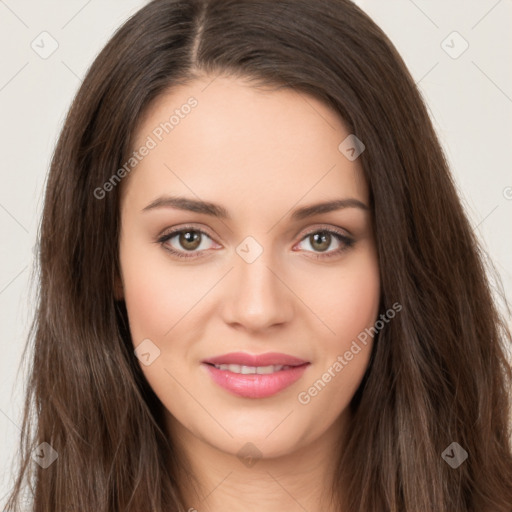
x: 438, y: 372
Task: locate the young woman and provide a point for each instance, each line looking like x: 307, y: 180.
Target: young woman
x: 258, y: 288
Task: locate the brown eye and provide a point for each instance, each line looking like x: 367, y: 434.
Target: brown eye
x: 187, y: 243
x: 320, y: 241
x: 190, y: 240
x: 325, y: 243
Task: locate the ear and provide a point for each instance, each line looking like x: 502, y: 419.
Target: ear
x: 118, y: 288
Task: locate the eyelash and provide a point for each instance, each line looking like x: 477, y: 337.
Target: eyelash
x: 346, y: 242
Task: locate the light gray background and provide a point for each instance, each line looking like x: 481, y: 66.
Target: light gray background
x: 469, y: 98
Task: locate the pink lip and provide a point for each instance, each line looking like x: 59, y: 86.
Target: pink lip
x: 255, y: 385
x: 242, y: 358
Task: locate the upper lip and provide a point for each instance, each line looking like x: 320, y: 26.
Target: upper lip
x: 244, y: 359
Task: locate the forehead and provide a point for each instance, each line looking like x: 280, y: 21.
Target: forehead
x: 222, y: 137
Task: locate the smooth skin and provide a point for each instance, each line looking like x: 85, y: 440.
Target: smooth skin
x: 259, y: 154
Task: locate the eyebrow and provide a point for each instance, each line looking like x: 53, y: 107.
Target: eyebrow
x: 215, y: 210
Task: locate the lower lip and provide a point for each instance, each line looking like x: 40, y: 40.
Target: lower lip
x: 255, y: 385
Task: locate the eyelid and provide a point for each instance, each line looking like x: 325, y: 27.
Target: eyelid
x: 344, y: 237
x: 326, y: 227
x: 318, y: 227
x: 169, y: 233
x: 191, y: 227
x: 346, y: 241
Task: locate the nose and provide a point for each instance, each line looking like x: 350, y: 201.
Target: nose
x: 257, y: 296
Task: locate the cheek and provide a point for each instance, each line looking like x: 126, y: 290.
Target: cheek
x: 347, y: 300
x: 164, y: 299
x: 349, y: 307
x: 148, y: 291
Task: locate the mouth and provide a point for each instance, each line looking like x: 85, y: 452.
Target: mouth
x: 255, y: 376
x: 251, y: 370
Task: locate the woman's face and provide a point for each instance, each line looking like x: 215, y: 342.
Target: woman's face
x: 221, y: 252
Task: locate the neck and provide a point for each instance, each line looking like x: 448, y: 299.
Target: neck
x: 247, y: 480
